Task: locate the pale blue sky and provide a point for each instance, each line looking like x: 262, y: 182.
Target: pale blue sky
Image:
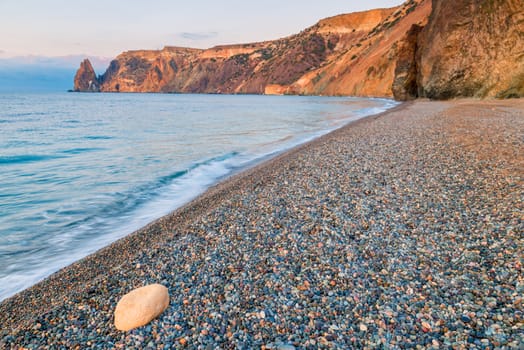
x: 107, y: 27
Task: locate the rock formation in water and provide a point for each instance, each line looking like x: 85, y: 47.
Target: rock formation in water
x: 85, y: 78
x: 423, y: 48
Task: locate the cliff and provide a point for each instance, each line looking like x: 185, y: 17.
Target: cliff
x: 472, y: 48
x: 297, y: 64
x: 367, y: 66
x: 246, y: 68
x: 438, y: 49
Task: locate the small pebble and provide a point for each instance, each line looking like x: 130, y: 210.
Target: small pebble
x: 465, y: 318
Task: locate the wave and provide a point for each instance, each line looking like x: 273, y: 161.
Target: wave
x: 98, y: 137
x: 111, y: 216
x: 126, y: 213
x: 82, y: 150
x: 169, y: 192
x: 26, y: 158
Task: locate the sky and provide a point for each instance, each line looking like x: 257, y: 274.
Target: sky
x: 105, y: 28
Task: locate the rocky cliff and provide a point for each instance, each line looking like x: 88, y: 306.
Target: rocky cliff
x: 305, y: 63
x: 85, y: 78
x: 436, y: 49
x: 472, y: 48
x: 247, y: 68
x: 367, y: 66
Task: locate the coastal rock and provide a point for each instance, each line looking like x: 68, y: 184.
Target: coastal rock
x: 140, y: 306
x: 85, y: 78
x: 472, y: 48
x: 367, y: 67
x: 438, y: 49
x: 405, y: 82
x: 275, y: 89
x: 349, y: 54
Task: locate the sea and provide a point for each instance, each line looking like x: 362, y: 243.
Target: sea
x: 79, y: 171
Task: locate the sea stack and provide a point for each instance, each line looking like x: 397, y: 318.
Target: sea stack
x: 85, y: 78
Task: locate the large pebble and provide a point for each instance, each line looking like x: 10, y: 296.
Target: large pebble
x: 140, y: 306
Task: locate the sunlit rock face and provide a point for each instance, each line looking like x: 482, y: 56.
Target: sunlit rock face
x: 351, y: 54
x: 85, y: 78
x: 473, y: 48
x: 438, y: 49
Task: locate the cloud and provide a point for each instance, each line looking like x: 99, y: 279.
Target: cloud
x: 198, y: 36
x: 59, y: 62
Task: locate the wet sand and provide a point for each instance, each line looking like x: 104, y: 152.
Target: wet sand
x: 400, y: 229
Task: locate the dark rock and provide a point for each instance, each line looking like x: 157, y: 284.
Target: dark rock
x: 405, y: 83
x: 465, y: 318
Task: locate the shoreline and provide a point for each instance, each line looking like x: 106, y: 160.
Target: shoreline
x: 156, y: 188
x: 198, y: 174
x: 116, y: 267
x: 102, y: 259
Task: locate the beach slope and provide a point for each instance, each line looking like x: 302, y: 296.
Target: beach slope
x: 400, y: 229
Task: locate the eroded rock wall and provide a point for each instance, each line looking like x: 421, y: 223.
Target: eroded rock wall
x: 472, y: 48
x: 298, y: 64
x: 438, y: 49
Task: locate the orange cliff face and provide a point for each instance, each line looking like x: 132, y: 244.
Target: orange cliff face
x: 267, y: 67
x: 367, y: 66
x: 423, y: 48
x: 472, y: 48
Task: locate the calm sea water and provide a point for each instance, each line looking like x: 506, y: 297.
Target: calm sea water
x: 79, y: 171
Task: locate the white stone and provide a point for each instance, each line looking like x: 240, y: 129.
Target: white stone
x: 140, y: 306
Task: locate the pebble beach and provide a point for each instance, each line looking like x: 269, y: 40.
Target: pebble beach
x: 401, y: 230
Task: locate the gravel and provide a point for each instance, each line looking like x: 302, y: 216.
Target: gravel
x: 402, y: 230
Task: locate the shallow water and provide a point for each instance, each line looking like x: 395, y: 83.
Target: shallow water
x: 79, y: 171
